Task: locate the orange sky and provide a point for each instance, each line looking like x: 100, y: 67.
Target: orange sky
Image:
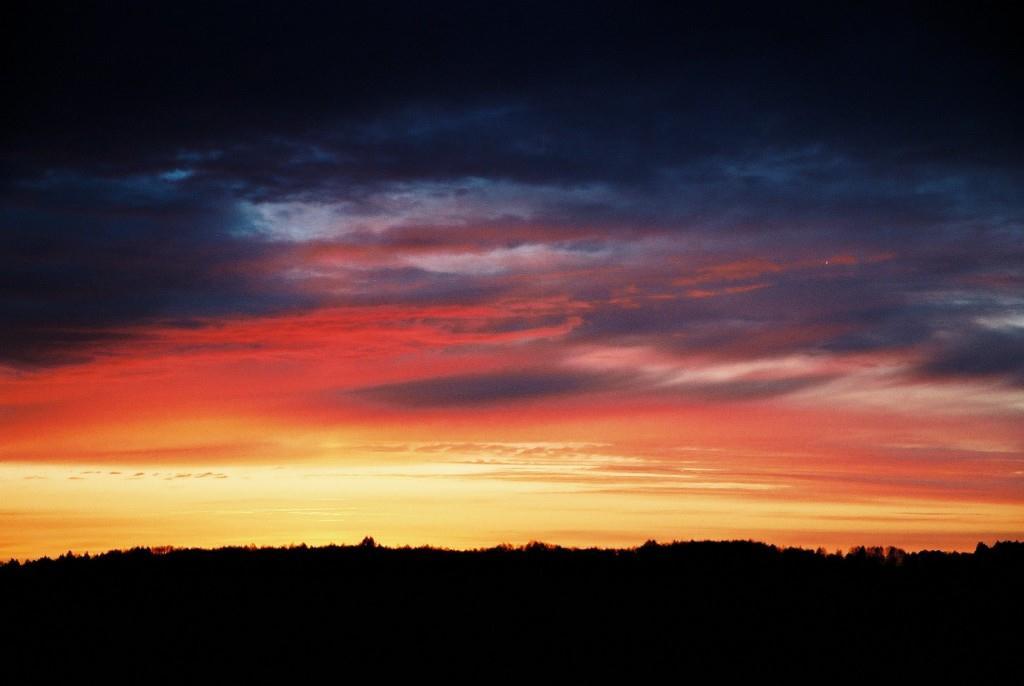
x: 254, y: 431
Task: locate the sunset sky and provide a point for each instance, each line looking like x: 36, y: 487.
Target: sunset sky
x: 469, y: 273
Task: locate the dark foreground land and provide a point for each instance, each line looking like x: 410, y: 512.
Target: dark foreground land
x: 730, y: 607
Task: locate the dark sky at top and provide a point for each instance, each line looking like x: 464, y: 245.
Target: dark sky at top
x: 566, y: 93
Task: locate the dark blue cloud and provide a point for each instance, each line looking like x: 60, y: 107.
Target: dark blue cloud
x: 468, y: 390
x: 82, y: 258
x: 987, y: 354
x: 138, y: 141
x: 491, y: 388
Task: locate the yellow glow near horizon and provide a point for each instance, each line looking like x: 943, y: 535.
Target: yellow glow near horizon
x: 462, y: 498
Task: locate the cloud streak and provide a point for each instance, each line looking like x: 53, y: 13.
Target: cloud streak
x: 471, y: 390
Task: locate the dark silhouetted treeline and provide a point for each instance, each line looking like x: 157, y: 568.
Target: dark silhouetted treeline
x: 188, y: 614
